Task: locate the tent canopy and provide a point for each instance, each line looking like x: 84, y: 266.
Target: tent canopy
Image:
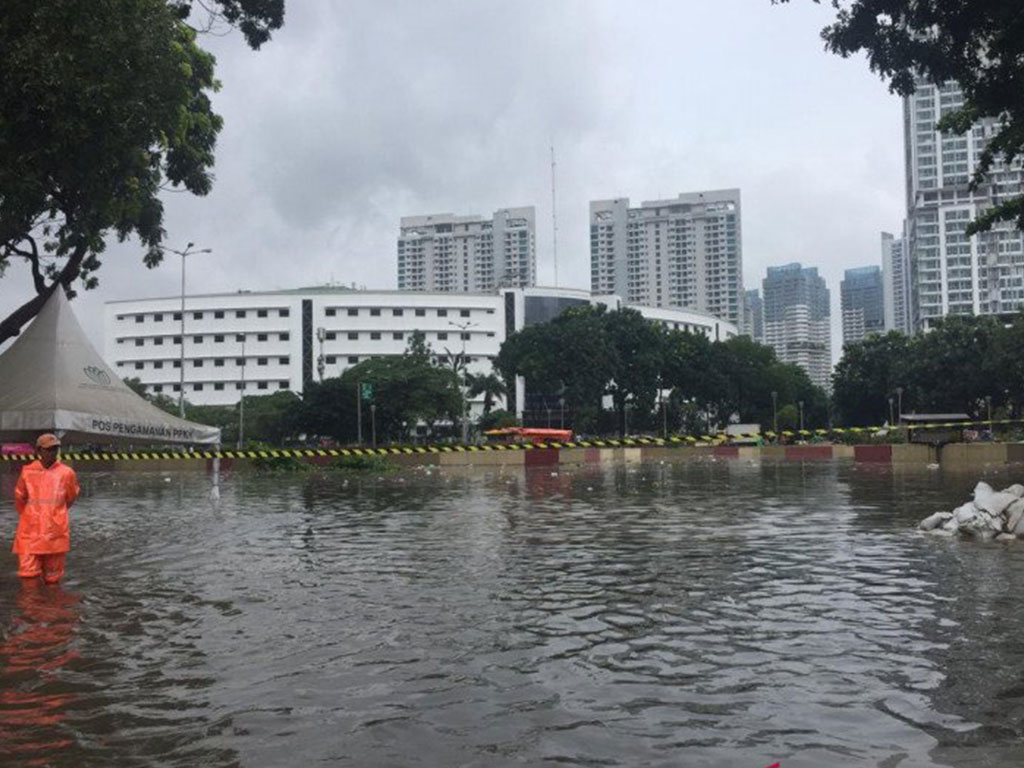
x: 53, y: 380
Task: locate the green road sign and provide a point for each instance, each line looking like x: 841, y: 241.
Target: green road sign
x: 366, y: 389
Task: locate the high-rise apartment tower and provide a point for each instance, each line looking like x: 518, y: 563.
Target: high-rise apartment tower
x: 861, y: 300
x: 444, y: 252
x: 951, y: 273
x: 683, y: 252
x: 797, y: 320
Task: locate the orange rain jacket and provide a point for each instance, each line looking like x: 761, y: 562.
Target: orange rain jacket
x: 42, y: 497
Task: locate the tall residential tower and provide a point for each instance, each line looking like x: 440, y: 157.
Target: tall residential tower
x: 683, y: 252
x: 444, y: 252
x: 861, y: 300
x: 952, y: 274
x: 797, y: 320
x: 896, y: 283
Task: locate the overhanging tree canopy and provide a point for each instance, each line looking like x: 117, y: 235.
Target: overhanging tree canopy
x: 101, y: 105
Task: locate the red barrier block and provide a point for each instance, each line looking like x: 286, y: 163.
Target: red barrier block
x: 541, y: 457
x: 873, y: 453
x: 727, y: 451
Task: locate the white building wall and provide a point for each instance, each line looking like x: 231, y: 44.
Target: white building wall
x: 142, y: 336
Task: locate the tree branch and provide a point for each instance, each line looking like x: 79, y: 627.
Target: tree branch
x: 12, y: 324
x: 33, y: 259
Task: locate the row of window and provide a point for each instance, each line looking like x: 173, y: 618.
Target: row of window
x: 397, y: 335
x: 219, y: 386
x: 218, y: 338
x: 218, y: 362
x: 396, y: 312
x: 218, y: 314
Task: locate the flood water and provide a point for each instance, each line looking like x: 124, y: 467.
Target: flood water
x: 701, y: 614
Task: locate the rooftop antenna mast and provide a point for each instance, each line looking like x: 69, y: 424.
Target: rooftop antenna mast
x: 554, y: 215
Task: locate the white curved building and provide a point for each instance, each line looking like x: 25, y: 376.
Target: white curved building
x: 261, y: 342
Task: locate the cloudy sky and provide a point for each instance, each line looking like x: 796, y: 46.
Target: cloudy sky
x: 363, y: 111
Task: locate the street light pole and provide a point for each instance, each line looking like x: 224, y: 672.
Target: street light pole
x: 181, y: 347
x: 890, y: 410
x: 801, y: 404
x: 775, y: 413
x: 899, y: 403
x: 373, y: 423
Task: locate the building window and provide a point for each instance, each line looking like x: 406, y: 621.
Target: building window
x: 465, y: 336
x: 158, y: 341
x: 353, y: 312
x: 442, y: 336
x: 139, y: 318
x: 240, y: 361
x: 158, y: 364
x: 421, y: 313
x: 158, y: 387
x: 176, y: 364
x: 197, y: 315
x: 138, y: 342
x: 330, y: 359
x: 176, y: 387
x: 283, y: 336
x: 218, y: 315
x: 177, y: 339
x: 240, y: 337
x: 464, y: 312
x: 375, y: 312
x: 282, y: 313
x: 261, y: 337
x: 330, y: 312
x: 197, y: 339
x: 353, y: 335
x: 261, y: 385
x: 261, y: 361
x: 282, y: 385
x: 158, y: 317
x: 218, y: 339
x: 219, y: 386
x: 442, y: 313
x: 261, y: 313
x: 398, y: 312
x: 239, y: 313
x: 138, y: 366
x: 197, y: 363
x: 398, y: 335
x: 218, y: 363
x: 282, y: 360
x: 353, y: 359
x: 374, y: 335
x: 238, y: 385
x: 197, y: 387
x: 331, y: 335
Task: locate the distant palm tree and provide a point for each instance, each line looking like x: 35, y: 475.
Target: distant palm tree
x: 488, y: 385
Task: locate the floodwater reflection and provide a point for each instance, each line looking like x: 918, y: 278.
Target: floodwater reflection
x: 721, y: 613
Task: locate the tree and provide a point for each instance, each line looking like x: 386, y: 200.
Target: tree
x: 637, y: 351
x: 271, y: 418
x: 868, y: 373
x: 102, y: 105
x: 980, y: 45
x: 488, y: 385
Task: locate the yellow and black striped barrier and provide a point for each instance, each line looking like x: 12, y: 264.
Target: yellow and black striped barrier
x: 719, y: 438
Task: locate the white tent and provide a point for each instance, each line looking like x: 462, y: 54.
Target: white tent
x: 53, y: 380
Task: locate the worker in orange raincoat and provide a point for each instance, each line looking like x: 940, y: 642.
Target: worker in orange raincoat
x: 46, y: 489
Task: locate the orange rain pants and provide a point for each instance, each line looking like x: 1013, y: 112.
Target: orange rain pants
x: 42, y: 497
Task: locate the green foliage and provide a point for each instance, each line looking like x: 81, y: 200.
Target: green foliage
x: 272, y: 419
x: 950, y: 369
x: 497, y: 420
x: 102, y: 105
x: 375, y: 464
x: 589, y: 353
x: 489, y: 385
x: 407, y: 390
x: 980, y: 45
x: 276, y: 463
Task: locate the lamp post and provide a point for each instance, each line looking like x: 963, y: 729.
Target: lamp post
x: 181, y: 358
x: 899, y: 403
x: 463, y: 333
x: 801, y: 404
x: 373, y: 424
x: 988, y: 403
x: 241, y: 402
x: 775, y: 413
x: 890, y: 410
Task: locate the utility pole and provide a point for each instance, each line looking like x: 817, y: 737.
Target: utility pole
x: 359, y: 412
x: 181, y: 347
x: 554, y: 216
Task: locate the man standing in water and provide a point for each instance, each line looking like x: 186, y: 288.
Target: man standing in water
x: 46, y: 489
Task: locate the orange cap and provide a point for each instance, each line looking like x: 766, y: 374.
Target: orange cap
x: 48, y: 440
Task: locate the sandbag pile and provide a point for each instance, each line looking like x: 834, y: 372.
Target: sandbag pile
x: 991, y: 515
